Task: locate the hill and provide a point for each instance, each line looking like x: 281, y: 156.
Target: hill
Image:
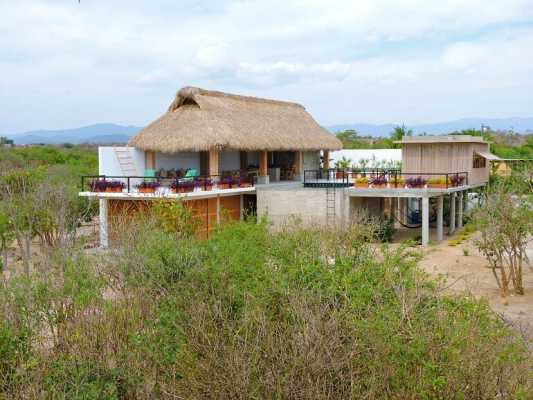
x: 97, y: 133
x: 522, y: 125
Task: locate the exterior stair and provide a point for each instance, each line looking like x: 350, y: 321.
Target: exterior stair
x: 126, y: 161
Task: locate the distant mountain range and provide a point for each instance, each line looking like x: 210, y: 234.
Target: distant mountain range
x: 520, y: 125
x: 116, y: 134
x: 94, y: 134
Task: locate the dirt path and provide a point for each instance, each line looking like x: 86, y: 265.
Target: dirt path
x: 465, y: 270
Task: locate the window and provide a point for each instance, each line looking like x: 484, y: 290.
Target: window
x: 479, y: 162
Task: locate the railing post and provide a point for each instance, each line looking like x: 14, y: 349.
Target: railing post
x: 128, y: 184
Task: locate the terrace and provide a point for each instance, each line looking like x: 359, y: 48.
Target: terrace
x: 373, y: 181
x: 190, y: 185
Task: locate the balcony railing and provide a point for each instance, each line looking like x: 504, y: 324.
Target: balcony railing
x: 160, y: 185
x: 383, y: 178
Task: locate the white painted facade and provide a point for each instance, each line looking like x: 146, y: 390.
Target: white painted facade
x: 375, y: 158
x: 109, y: 164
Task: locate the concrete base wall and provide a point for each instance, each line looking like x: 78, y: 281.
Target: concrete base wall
x: 282, y: 203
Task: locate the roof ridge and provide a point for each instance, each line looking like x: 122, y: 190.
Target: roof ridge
x: 191, y: 91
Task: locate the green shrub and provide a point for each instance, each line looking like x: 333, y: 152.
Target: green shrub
x: 301, y: 314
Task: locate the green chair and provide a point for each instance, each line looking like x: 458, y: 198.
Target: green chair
x: 149, y: 173
x: 191, y: 173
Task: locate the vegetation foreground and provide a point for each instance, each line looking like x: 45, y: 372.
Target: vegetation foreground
x: 301, y: 314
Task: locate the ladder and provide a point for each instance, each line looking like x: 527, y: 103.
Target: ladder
x: 126, y: 161
x: 331, y: 194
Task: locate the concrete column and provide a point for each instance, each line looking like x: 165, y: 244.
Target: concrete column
x: 460, y: 211
x: 104, y: 237
x: 241, y: 207
x: 425, y: 221
x: 452, y: 213
x: 440, y: 213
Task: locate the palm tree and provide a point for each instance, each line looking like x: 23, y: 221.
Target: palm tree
x: 399, y: 133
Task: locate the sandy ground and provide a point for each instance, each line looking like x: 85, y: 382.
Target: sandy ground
x: 465, y: 270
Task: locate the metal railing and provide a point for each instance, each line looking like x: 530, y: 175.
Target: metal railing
x: 158, y: 184
x: 380, y: 178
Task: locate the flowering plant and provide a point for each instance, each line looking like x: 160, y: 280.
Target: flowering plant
x: 417, y: 182
x: 378, y: 180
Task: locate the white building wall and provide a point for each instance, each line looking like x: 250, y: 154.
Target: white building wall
x: 229, y: 161
x: 108, y: 163
x: 374, y: 157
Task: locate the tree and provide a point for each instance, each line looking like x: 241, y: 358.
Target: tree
x: 506, y: 225
x: 349, y: 138
x: 399, y: 133
x: 6, y: 237
x: 17, y: 194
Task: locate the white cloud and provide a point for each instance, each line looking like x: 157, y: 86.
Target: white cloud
x: 88, y: 55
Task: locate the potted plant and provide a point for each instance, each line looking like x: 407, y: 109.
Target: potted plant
x: 245, y: 181
x: 205, y: 183
x: 379, y: 181
x: 436, y: 183
x: 98, y: 185
x: 114, y: 186
x: 456, y: 180
x: 417, y: 182
x: 361, y: 182
x: 225, y: 183
x: 341, y: 166
x: 183, y: 186
x: 396, y: 182
x: 148, y: 187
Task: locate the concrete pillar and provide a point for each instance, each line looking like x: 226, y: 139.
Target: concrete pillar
x: 452, y: 213
x: 425, y: 221
x: 104, y: 236
x: 460, y: 211
x: 440, y: 213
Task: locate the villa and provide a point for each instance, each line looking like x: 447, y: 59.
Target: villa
x: 224, y: 154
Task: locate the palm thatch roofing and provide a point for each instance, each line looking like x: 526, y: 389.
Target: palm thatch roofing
x: 201, y: 120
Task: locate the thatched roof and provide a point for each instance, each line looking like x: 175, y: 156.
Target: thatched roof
x: 199, y: 120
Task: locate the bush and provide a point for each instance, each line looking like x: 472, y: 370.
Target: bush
x: 306, y: 314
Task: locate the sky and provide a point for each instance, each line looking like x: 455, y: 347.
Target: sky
x: 66, y: 64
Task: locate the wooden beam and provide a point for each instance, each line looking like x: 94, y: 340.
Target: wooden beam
x: 149, y: 159
x: 243, y: 157
x: 263, y: 163
x: 213, y: 162
x: 326, y: 160
x: 204, y: 163
x: 298, y: 162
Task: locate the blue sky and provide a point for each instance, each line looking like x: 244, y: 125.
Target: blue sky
x: 64, y: 64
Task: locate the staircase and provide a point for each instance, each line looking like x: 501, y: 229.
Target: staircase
x: 331, y: 194
x: 126, y: 161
